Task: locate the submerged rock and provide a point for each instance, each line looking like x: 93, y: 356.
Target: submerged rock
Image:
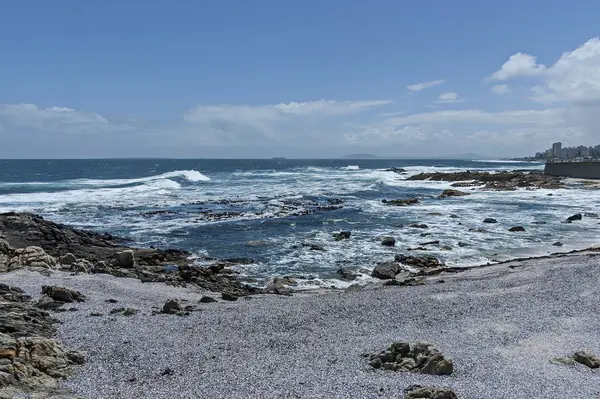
x: 490, y: 220
x: 452, y: 193
x: 400, y: 202
x: 575, y: 217
x: 388, y: 241
x: 342, y: 235
x: 347, y: 274
x: 517, y: 229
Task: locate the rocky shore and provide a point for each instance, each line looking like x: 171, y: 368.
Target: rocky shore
x: 499, y: 181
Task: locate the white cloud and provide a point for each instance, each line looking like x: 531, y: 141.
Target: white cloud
x: 518, y: 65
x: 473, y: 116
x: 501, y: 89
x: 448, y: 98
x: 424, y: 85
x: 53, y: 118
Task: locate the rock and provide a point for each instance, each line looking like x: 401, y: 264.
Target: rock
x: 229, y: 297
x: 31, y: 256
x: 419, y: 261
x: 539, y: 222
x: 346, y: 274
x: 490, y: 220
x: 567, y: 361
x: 47, y: 303
x: 68, y: 259
x: 125, y: 311
x: 558, y: 244
x: 587, y: 359
x: 419, y: 357
x: 575, y: 217
x: 353, y: 288
x: 463, y: 244
x: 342, y: 235
x: 386, y: 270
x: 591, y: 215
x: 96, y: 314
x: 388, y: 241
x: 125, y: 259
x: 167, y: 372
x: 501, y: 181
x: 62, y: 294
x: 207, y: 299
x: 434, y: 242
x: 452, y: 193
x: 395, y: 170
x: 420, y: 392
x: 171, y: 306
x: 278, y: 286
x: 419, y: 226
x: 400, y: 202
x: 313, y: 247
x: 517, y: 229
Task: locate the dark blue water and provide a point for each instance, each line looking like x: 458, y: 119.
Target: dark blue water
x: 266, y: 209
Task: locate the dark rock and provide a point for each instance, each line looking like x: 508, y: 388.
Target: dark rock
x: 96, y: 314
x: 313, y: 247
x: 171, y: 306
x: 435, y: 242
x: 452, y: 193
x: 386, y: 270
x: 342, y: 235
x: 419, y: 226
x: 347, y: 274
x: 167, y: 372
x: 490, y: 220
x: 62, y: 294
x: 68, y: 259
x: 587, y: 359
x: 278, y: 286
x: 463, y: 244
x: 420, y: 392
x: 591, y: 215
x: 575, y: 217
x: 207, y: 299
x: 401, y: 202
x: 517, y: 229
x: 111, y: 300
x: 388, y: 241
x: 354, y: 288
x: 229, y: 297
x: 395, y: 170
x: 419, y: 261
x: 539, y: 222
x: 558, y: 244
x: 419, y: 357
x: 502, y: 181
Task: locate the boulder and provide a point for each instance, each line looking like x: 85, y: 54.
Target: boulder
x: 34, y: 257
x: 346, y: 274
x: 227, y: 296
x: 386, y: 270
x: 388, y: 241
x: 517, y: 229
x: 452, y: 193
x: 421, y: 262
x: 62, y: 294
x: 558, y: 244
x: 400, y: 202
x: 575, y: 217
x: 172, y: 306
x: 587, y: 359
x: 207, y: 299
x: 67, y: 259
x: 419, y: 226
x: 419, y: 358
x: 420, y: 392
x: 125, y: 259
x: 490, y: 220
x: 278, y: 286
x: 342, y: 235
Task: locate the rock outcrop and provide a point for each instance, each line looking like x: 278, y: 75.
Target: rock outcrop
x: 420, y: 357
x: 409, y: 266
x: 452, y: 193
x: 500, y: 181
x: 400, y: 202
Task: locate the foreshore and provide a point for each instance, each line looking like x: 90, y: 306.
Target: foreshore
x: 501, y: 325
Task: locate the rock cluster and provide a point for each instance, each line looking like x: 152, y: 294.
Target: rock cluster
x: 420, y: 392
x: 500, y: 181
x: 419, y: 357
x: 400, y: 202
x: 452, y: 193
x: 30, y: 360
x: 587, y: 359
x: 407, y: 266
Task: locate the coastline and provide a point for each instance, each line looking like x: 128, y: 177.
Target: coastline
x: 501, y: 325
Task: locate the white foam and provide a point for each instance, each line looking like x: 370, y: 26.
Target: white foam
x: 351, y: 167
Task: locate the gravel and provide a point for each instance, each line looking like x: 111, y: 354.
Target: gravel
x: 501, y: 325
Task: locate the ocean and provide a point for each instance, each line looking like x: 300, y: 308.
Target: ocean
x: 272, y: 211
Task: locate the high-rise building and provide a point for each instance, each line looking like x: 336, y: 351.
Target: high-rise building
x: 557, y: 150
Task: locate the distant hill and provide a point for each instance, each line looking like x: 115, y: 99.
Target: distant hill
x: 466, y: 156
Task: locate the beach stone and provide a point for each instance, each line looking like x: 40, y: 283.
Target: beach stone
x: 68, y: 259
x: 278, y: 286
x: 342, y: 235
x: 575, y: 217
x: 353, y: 288
x: 490, y: 220
x: 171, y: 306
x: 347, y: 274
x: 62, y: 294
x: 420, y: 392
x: 388, y: 241
x: 517, y: 229
x: 229, y: 296
x: 207, y: 299
x: 125, y: 259
x: 452, y: 193
x: 587, y: 359
x: 386, y: 270
x: 420, y: 357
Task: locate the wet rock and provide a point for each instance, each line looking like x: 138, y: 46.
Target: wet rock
x: 386, y: 270
x: 587, y: 359
x: 517, y: 229
x: 388, y: 241
x: 207, y: 299
x: 575, y: 217
x: 396, y: 170
x: 419, y: 226
x: 463, y: 244
x: 342, y: 235
x: 420, y: 392
x: 400, y: 202
x: 278, y: 286
x: 62, y: 294
x: 558, y: 244
x: 313, y: 247
x: 434, y: 242
x: 500, y: 181
x: 346, y: 274
x: 591, y: 215
x: 421, y: 262
x: 419, y: 358
x: 539, y: 222
x: 490, y: 220
x: 452, y: 193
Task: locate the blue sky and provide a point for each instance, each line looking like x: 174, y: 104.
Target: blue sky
x: 300, y: 79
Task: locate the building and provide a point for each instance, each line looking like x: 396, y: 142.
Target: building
x: 556, y: 150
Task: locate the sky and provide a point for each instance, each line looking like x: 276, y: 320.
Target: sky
x: 309, y: 79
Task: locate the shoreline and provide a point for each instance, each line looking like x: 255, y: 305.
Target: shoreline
x: 502, y: 325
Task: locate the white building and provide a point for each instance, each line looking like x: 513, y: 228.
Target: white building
x: 557, y: 150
